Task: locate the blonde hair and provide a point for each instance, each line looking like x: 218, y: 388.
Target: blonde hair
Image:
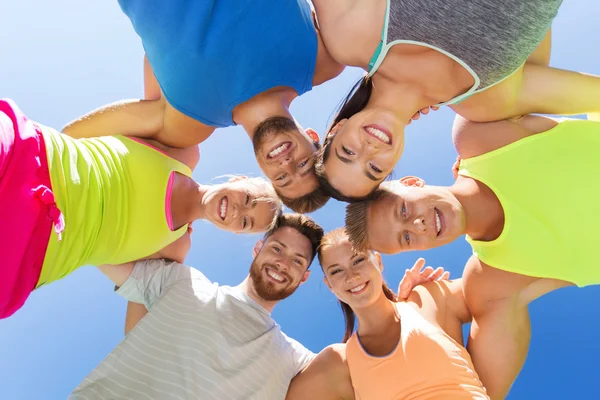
x: 269, y: 194
x: 357, y: 220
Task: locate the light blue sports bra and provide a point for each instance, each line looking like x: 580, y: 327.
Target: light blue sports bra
x: 490, y: 39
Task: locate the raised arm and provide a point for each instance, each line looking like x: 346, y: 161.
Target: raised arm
x: 154, y: 119
x: 139, y: 118
x: 535, y: 89
x: 326, y: 378
x: 501, y: 331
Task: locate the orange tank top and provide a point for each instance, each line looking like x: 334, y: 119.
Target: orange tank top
x: 427, y: 364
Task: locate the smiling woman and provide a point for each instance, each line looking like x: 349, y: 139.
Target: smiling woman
x: 111, y: 200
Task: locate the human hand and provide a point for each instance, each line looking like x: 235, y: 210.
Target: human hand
x: 423, y: 111
x: 455, y: 167
x: 418, y: 275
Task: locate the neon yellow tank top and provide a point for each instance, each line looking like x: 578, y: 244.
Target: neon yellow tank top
x: 112, y: 192
x: 549, y: 189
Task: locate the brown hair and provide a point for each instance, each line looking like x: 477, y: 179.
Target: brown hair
x: 356, y: 220
x: 304, y: 225
x: 308, y: 203
x: 273, y: 124
x: 355, y: 101
x: 332, y: 238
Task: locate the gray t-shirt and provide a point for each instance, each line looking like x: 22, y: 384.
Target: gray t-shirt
x: 199, y: 340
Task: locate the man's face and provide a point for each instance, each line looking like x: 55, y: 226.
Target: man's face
x: 414, y: 218
x: 287, y: 159
x: 281, y: 264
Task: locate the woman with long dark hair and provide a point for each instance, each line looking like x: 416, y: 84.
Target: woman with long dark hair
x: 487, y: 60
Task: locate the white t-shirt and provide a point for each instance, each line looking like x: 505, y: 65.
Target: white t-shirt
x: 199, y: 340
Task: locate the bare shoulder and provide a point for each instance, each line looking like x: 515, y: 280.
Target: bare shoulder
x: 472, y: 139
x: 445, y: 297
x: 333, y: 357
x: 180, y: 130
x: 327, y: 377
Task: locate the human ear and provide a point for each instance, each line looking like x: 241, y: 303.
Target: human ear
x: 305, y: 277
x: 337, y: 127
x: 257, y: 248
x: 412, y: 181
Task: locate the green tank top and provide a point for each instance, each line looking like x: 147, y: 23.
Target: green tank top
x: 549, y: 189
x: 113, y: 193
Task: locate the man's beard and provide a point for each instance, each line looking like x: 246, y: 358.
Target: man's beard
x: 266, y: 290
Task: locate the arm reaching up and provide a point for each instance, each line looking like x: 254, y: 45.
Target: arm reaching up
x: 418, y: 275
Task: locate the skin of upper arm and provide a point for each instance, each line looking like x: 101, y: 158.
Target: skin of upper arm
x: 180, y: 130
x: 118, y: 274
x: 151, y: 85
x: 443, y: 303
x: 327, y: 377
x: 135, y: 312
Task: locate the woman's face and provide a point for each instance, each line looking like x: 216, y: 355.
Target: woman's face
x: 354, y: 278
x: 240, y: 205
x: 363, y: 151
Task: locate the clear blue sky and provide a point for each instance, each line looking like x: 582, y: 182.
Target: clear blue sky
x: 62, y: 58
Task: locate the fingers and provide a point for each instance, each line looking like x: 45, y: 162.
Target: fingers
x: 420, y: 263
x: 437, y: 274
x: 405, y: 285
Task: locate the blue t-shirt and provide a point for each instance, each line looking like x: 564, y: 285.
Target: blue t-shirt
x: 211, y: 55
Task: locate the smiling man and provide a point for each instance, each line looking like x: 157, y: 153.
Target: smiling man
x: 222, y: 63
x: 201, y: 340
x: 521, y: 194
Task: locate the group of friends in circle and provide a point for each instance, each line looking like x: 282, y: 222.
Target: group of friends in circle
x: 114, y: 189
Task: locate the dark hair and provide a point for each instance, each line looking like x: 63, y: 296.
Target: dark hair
x: 350, y: 318
x: 332, y: 238
x: 356, y: 100
x: 304, y: 225
x: 273, y: 124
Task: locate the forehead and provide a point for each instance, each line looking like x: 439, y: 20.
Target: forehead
x: 293, y: 240
x: 331, y: 252
x: 300, y: 186
x: 380, y: 224
x: 263, y: 213
x: 348, y: 179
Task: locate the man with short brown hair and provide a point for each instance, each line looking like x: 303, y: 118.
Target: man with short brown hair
x: 203, y: 340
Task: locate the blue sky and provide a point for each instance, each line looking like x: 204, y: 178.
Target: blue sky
x: 63, y: 58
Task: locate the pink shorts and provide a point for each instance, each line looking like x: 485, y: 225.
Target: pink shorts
x: 27, y: 208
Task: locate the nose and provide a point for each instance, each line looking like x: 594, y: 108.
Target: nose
x: 282, y: 265
x: 372, y: 144
x: 419, y: 224
x: 353, y: 276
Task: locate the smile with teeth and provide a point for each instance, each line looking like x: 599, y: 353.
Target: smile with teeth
x: 279, y: 149
x: 223, y: 208
x: 273, y: 275
x: 378, y: 134
x: 359, y: 289
x: 438, y: 222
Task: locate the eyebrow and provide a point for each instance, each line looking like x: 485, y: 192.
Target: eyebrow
x: 306, y: 172
x: 348, y: 161
x: 332, y: 265
x: 286, y: 184
x: 400, y: 239
x: 285, y: 247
